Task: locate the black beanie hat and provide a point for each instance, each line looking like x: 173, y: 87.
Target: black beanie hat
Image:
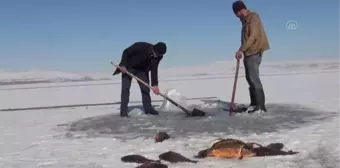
x: 238, y: 5
x: 160, y: 47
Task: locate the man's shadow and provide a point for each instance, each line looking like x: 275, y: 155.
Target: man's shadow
x: 278, y: 117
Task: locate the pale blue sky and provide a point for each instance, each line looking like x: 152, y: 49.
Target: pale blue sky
x: 85, y: 35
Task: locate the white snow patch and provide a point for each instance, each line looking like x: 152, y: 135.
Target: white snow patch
x: 173, y: 94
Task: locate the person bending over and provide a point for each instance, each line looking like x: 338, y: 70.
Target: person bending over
x: 139, y: 59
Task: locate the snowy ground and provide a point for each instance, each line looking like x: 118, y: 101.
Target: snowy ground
x: 302, y: 100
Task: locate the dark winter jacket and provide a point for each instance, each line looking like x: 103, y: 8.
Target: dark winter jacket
x: 139, y: 56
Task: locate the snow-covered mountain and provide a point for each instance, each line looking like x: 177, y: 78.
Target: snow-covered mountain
x: 221, y: 68
x: 41, y: 76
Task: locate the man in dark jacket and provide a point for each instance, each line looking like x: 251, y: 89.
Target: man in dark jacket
x: 139, y: 59
x: 253, y: 44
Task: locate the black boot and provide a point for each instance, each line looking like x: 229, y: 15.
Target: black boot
x: 151, y: 111
x: 252, y: 100
x: 123, y: 114
x: 263, y: 101
x: 252, y: 96
x: 259, y: 101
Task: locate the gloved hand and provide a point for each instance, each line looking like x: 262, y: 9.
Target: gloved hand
x: 123, y: 69
x: 238, y: 54
x: 155, y: 89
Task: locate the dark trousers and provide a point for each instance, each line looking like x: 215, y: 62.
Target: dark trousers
x: 145, y: 91
x: 252, y: 65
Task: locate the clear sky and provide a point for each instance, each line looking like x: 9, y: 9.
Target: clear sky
x: 85, y: 35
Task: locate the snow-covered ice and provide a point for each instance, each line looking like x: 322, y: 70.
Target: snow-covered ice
x: 302, y: 100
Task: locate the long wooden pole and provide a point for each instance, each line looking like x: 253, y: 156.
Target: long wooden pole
x: 232, y: 104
